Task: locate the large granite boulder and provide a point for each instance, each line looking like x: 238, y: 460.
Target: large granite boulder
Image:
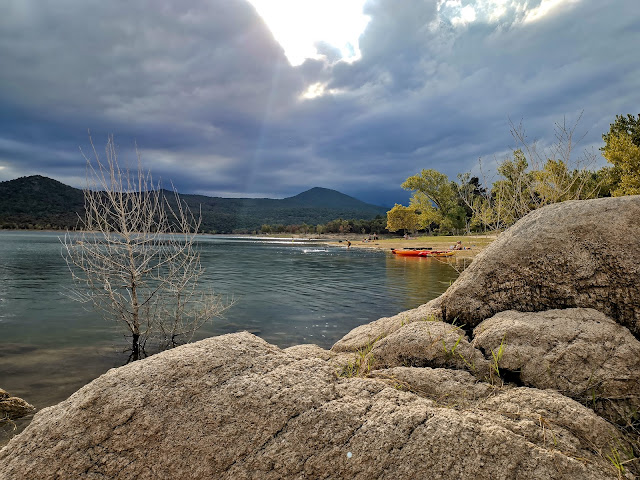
x: 235, y: 407
x: 579, y: 352
x: 572, y: 254
x: 547, y: 408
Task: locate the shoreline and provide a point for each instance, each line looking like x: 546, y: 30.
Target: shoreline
x: 474, y: 243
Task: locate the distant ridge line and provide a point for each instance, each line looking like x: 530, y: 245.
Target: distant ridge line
x: 41, y: 202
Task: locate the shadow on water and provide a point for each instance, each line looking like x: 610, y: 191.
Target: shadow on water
x: 46, y: 376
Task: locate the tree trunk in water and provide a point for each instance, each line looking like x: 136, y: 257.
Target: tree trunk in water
x: 135, y: 348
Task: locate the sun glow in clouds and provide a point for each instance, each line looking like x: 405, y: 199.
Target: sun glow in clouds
x: 299, y: 24
x: 467, y: 15
x: 314, y: 90
x: 545, y: 7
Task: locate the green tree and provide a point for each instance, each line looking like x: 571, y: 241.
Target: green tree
x: 470, y: 192
x: 403, y: 218
x: 437, y: 200
x: 533, y: 178
x: 629, y: 125
x: 622, y: 150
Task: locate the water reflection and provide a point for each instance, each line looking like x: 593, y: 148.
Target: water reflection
x: 287, y: 292
x: 416, y: 278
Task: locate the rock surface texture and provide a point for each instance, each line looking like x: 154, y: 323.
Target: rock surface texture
x: 428, y: 344
x: 236, y: 407
x: 363, y: 336
x: 580, y: 352
x: 572, y: 254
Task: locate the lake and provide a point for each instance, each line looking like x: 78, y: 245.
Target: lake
x: 287, y: 292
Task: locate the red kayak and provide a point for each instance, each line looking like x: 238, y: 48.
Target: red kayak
x: 416, y: 252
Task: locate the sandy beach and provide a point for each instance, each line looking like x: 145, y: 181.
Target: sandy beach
x: 473, y: 244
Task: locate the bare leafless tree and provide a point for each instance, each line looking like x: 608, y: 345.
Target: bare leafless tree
x: 133, y: 256
x: 532, y: 178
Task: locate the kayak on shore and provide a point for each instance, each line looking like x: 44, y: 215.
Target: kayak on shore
x: 422, y: 252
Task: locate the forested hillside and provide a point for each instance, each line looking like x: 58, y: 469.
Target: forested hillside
x: 38, y: 202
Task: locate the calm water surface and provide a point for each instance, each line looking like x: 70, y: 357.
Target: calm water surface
x: 286, y: 292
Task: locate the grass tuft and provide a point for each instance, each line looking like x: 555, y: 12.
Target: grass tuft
x: 362, y: 362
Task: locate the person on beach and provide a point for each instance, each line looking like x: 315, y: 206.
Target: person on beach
x: 458, y: 245
x: 348, y: 243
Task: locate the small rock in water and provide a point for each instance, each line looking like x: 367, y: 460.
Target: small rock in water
x: 12, y: 408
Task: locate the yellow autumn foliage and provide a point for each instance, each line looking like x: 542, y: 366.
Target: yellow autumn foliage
x: 625, y: 156
x: 402, y: 218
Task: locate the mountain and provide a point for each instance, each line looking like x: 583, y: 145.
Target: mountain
x: 41, y: 202
x: 327, y: 198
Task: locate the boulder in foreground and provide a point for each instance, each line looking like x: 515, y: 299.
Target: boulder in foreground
x: 428, y: 344
x: 236, y: 407
x: 582, y: 253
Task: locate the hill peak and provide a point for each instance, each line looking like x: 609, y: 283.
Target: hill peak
x: 36, y: 183
x: 325, y: 197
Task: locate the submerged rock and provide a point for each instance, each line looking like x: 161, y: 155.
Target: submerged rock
x: 571, y: 254
x: 236, y: 407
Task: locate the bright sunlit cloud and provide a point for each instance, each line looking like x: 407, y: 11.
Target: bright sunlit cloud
x: 545, y: 7
x: 314, y: 90
x: 467, y: 15
x: 299, y: 24
x: 318, y: 90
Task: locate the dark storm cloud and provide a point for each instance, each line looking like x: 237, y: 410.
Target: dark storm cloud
x: 186, y: 77
x: 209, y: 97
x: 428, y: 94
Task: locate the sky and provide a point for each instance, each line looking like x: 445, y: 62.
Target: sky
x: 268, y: 98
